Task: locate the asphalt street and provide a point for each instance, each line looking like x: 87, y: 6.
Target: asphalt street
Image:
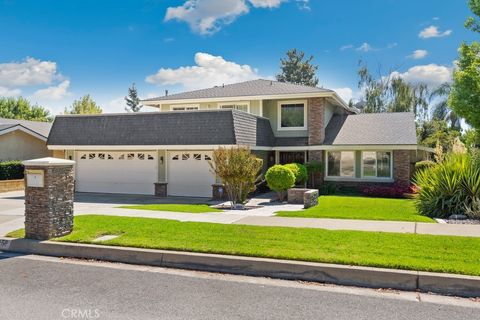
x: 33, y: 287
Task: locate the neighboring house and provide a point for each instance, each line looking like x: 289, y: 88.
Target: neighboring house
x: 23, y: 140
x: 280, y: 122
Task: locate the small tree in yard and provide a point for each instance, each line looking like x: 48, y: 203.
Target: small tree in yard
x: 280, y: 178
x: 239, y: 171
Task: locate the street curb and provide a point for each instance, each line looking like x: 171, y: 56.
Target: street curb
x: 448, y: 284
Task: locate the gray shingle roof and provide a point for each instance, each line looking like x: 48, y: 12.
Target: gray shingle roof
x: 260, y: 87
x: 204, y: 127
x: 372, y: 129
x: 41, y: 128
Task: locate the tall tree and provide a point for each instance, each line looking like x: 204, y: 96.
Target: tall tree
x: 465, y: 94
x: 85, y: 105
x: 440, y: 109
x: 295, y: 68
x: 132, y: 100
x: 391, y: 94
x: 21, y: 108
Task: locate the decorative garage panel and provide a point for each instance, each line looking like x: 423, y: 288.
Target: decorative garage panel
x: 130, y: 172
x: 189, y: 173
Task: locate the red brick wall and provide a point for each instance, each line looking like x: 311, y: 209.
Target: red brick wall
x: 402, y: 166
x: 315, y: 120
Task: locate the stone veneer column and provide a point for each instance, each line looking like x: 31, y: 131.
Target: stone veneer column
x: 316, y: 132
x: 49, y: 193
x: 401, y: 167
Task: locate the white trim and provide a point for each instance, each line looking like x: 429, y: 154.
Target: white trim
x: 279, y: 114
x: 353, y: 179
x: 184, y: 106
x: 376, y: 173
x: 23, y: 129
x: 261, y: 108
x: 137, y: 147
x: 226, y: 103
x: 342, y: 177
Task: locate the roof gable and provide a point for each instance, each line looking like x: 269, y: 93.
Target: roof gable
x: 37, y: 127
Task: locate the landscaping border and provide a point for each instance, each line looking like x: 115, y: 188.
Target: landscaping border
x: 12, y: 185
x: 447, y: 284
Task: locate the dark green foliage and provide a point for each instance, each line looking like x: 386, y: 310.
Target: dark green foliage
x: 296, y: 69
x: 132, y: 100
x: 11, y: 170
x: 314, y: 167
x: 299, y: 171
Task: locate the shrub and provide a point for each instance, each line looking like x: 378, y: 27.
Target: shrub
x: 11, y: 170
x: 328, y: 188
x: 314, y: 167
x: 299, y: 171
x: 449, y: 187
x: 423, y: 164
x: 280, y: 178
x: 239, y: 171
x: 393, y: 191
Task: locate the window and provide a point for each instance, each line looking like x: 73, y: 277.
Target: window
x: 150, y: 157
x: 197, y: 156
x: 101, y: 156
x: 377, y: 164
x: 141, y: 156
x: 83, y: 157
x: 207, y: 158
x: 122, y: 157
x: 91, y: 156
x: 185, y: 156
x: 130, y: 156
x: 175, y: 157
x: 110, y: 157
x: 242, y: 106
x: 341, y: 164
x: 184, y: 107
x: 292, y: 115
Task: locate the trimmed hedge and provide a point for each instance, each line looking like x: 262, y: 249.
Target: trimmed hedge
x: 299, y: 171
x: 11, y: 170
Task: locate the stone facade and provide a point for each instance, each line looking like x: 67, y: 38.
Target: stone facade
x: 310, y: 198
x: 402, y: 167
x: 49, y: 209
x: 161, y: 189
x: 315, y: 121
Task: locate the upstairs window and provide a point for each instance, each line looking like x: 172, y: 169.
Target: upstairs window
x: 292, y: 115
x: 242, y: 106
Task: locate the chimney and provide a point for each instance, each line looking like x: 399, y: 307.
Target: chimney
x: 166, y: 93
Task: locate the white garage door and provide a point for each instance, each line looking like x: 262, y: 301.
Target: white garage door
x: 132, y: 172
x: 189, y: 174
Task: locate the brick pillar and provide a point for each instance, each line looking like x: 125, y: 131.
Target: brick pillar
x: 401, y: 167
x: 49, y: 192
x: 315, y: 121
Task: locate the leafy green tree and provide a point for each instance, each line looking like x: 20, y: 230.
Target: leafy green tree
x: 295, y: 68
x: 391, y: 94
x: 21, y: 108
x: 132, y: 100
x: 465, y: 94
x: 471, y: 138
x: 431, y: 132
x: 441, y: 109
x: 86, y: 105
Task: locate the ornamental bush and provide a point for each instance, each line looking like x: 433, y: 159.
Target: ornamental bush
x: 11, y: 170
x: 299, y: 171
x: 280, y: 178
x: 393, y: 191
x: 450, y: 187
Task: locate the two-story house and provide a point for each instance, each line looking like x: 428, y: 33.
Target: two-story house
x: 168, y: 152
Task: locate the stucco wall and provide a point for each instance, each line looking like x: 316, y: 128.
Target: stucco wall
x: 18, y: 145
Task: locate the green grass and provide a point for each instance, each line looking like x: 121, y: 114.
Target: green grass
x: 189, y: 208
x: 376, y: 249
x: 344, y: 207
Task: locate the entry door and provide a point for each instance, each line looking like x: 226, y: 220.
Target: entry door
x: 129, y: 172
x: 189, y: 174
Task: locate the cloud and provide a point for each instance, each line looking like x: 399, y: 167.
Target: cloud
x: 208, y: 71
x: 345, y: 93
x: 418, y: 54
x: 57, y: 92
x: 6, y: 92
x: 392, y: 45
x: 364, y: 47
x: 433, y: 32
x: 346, y: 47
x: 28, y: 72
x: 208, y: 16
x: 431, y: 74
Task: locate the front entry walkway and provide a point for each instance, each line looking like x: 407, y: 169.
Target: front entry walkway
x: 12, y: 208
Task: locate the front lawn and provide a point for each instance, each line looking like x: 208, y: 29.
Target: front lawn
x: 189, y: 208
x: 364, y: 208
x: 376, y: 249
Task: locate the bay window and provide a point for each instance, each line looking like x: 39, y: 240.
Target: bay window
x: 292, y: 115
x: 377, y: 164
x: 341, y: 164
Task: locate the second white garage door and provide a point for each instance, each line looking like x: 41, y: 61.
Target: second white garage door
x: 189, y: 174
x: 133, y: 172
